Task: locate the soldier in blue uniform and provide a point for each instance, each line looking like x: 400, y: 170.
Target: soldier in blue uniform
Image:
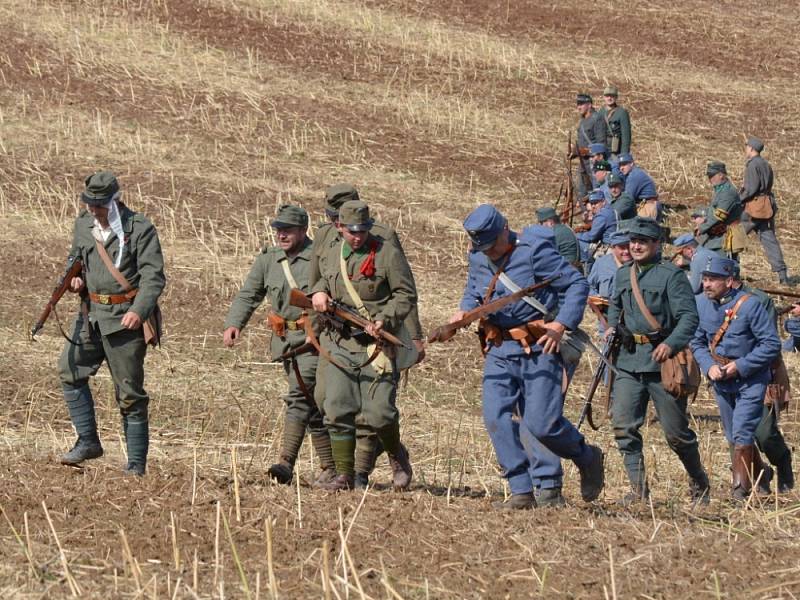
x: 525, y: 375
x: 668, y: 297
x: 602, y: 171
x: 641, y: 187
x: 723, y: 214
x: 735, y: 345
x: 697, y: 256
x: 604, y: 271
x: 604, y: 223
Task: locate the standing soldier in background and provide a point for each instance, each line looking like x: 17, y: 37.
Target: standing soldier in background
x: 124, y: 277
x: 591, y: 130
x: 641, y: 187
x: 566, y: 242
x: 274, y: 273
x: 760, y: 206
x: 604, y: 271
x: 659, y: 294
x: 368, y: 446
x: 719, y: 232
x: 618, y: 123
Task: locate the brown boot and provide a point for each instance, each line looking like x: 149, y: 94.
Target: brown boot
x: 401, y: 469
x: 340, y: 483
x: 742, y: 468
x: 762, y: 473
x: 516, y: 502
x: 325, y: 477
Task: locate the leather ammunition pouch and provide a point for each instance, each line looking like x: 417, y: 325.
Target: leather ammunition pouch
x: 280, y: 326
x: 778, y: 392
x: 759, y: 207
x: 648, y: 208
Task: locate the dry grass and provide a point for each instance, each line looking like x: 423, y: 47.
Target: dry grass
x: 429, y: 108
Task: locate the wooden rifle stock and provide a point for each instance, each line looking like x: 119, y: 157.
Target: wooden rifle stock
x: 74, y: 267
x: 345, y: 313
x: 295, y: 352
x: 783, y: 293
x: 610, y: 349
x: 445, y: 332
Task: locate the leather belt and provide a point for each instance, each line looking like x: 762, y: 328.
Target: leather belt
x: 113, y: 298
x: 294, y: 325
x: 640, y: 338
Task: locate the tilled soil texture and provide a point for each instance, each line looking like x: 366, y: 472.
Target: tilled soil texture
x: 215, y: 112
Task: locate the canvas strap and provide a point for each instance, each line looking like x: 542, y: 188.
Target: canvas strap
x: 111, y: 268
x: 637, y: 294
x: 288, y: 273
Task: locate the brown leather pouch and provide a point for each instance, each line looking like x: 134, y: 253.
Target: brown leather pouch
x: 759, y: 207
x: 277, y: 323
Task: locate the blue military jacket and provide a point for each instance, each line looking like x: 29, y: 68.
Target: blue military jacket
x: 699, y: 262
x: 751, y: 339
x: 604, y: 223
x: 601, y: 278
x: 534, y: 259
x: 639, y: 185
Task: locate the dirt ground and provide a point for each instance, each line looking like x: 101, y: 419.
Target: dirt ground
x: 214, y: 112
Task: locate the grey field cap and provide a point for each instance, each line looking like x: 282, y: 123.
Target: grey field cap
x: 354, y: 215
x: 338, y: 194
x: 100, y: 188
x: 290, y: 215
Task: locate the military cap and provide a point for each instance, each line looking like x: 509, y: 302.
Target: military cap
x: 625, y: 158
x: 583, y: 99
x: 700, y: 211
x: 545, y: 213
x: 719, y: 266
x: 354, y: 215
x: 715, y: 167
x: 484, y: 225
x: 290, y: 216
x: 338, y: 194
x: 100, y: 188
x: 602, y: 165
x: 611, y: 90
x: 615, y: 179
x: 596, y: 196
x: 644, y: 227
x: 684, y: 240
x: 598, y: 149
x: 619, y: 238
x: 755, y: 143
x: 625, y: 225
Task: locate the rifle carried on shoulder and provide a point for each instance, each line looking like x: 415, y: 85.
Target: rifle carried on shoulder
x: 343, y: 314
x: 609, y: 351
x: 784, y: 293
x: 74, y: 268
x: 294, y: 353
x: 445, y: 332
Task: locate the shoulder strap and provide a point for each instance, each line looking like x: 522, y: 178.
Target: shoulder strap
x: 111, y: 268
x: 288, y: 273
x: 608, y: 115
x: 637, y: 294
x: 351, y: 290
x: 500, y: 269
x: 726, y: 323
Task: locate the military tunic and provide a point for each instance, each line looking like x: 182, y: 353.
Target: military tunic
x: 618, y: 127
x: 757, y: 181
x: 725, y: 210
x: 591, y: 130
x: 624, y: 206
x: 566, y: 242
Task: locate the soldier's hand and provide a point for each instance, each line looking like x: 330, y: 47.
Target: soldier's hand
x: 661, y: 353
x: 457, y: 316
x: 608, y: 333
x: 715, y: 373
x: 76, y: 285
x: 230, y: 335
x: 130, y: 320
x: 320, y: 301
x: 729, y: 371
x: 420, y: 346
x: 551, y: 340
x: 374, y: 329
x: 795, y: 312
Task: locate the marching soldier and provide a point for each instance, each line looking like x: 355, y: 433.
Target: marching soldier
x: 718, y: 232
x: 591, y: 130
x: 274, y: 273
x: 123, y: 275
x: 566, y: 242
x: 735, y: 345
x: 373, y: 277
x: 523, y: 374
x: 660, y: 294
x: 618, y: 123
x: 760, y: 206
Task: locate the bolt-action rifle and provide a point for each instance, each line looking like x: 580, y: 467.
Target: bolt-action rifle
x: 294, y: 353
x: 74, y: 267
x: 609, y: 352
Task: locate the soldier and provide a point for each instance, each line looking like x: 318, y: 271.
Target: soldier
x: 274, y: 273
x: 604, y: 223
x: 591, y: 130
x: 757, y: 197
x: 123, y: 277
x: 368, y: 446
x: 792, y: 327
x: 718, y: 231
x: 604, y: 271
x: 372, y: 276
x: 525, y: 374
x: 618, y: 123
x: 735, y: 345
x: 566, y: 242
x: 641, y: 187
x: 697, y: 256
x: 622, y: 203
x: 602, y: 171
x: 671, y: 303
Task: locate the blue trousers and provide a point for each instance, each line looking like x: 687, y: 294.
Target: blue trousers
x: 529, y: 385
x: 741, y: 407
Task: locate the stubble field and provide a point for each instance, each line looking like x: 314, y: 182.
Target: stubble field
x: 214, y: 112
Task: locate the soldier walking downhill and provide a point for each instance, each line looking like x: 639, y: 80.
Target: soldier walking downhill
x: 274, y: 273
x: 669, y: 302
x: 123, y: 277
x: 618, y: 123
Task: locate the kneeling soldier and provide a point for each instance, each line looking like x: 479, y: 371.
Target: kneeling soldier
x: 275, y: 272
x: 735, y: 345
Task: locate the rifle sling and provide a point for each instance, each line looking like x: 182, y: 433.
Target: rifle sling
x: 124, y: 283
x: 720, y: 333
x: 312, y: 336
x: 300, y: 382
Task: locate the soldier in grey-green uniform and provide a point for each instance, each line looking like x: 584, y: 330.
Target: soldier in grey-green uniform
x: 724, y: 211
x: 274, y: 273
x: 109, y: 326
x: 624, y: 206
x: 566, y: 242
x: 618, y: 123
x: 372, y: 276
x: 669, y: 297
x: 368, y: 446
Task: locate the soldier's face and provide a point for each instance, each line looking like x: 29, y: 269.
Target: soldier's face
x: 610, y: 100
x: 716, y: 287
x: 615, y: 190
x: 355, y: 239
x: 583, y: 108
x: 100, y: 213
x: 716, y: 179
x: 600, y: 176
x: 626, y: 168
x: 622, y: 252
x: 643, y: 249
x: 290, y: 238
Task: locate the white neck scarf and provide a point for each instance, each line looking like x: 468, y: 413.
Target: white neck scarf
x: 115, y: 223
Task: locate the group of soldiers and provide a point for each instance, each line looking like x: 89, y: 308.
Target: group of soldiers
x: 343, y: 379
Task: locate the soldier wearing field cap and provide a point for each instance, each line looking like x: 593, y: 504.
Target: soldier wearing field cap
x: 735, y: 344
x: 122, y: 279
x: 368, y: 446
x: 566, y: 242
x: 641, y: 187
x: 276, y: 270
x: 523, y: 375
x: 760, y: 206
x: 718, y: 232
x: 604, y: 223
x: 372, y: 276
x: 667, y: 296
x: 697, y: 256
x: 591, y: 130
x: 618, y: 123
x: 624, y: 206
x: 602, y: 170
